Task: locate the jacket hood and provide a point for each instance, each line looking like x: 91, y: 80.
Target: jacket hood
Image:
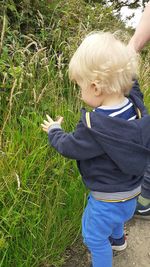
x: 127, y: 143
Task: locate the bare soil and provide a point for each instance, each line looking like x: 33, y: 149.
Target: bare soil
x: 137, y: 253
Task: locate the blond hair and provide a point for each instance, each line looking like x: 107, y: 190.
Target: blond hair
x: 103, y: 59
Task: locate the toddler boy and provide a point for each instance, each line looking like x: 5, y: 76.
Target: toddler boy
x: 111, y: 143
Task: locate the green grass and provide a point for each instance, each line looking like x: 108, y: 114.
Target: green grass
x: 41, y: 196
x: 41, y: 193
x: 41, y: 218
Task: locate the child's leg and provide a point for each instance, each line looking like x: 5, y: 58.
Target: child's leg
x: 100, y: 220
x: 124, y: 211
x: 117, y: 239
x: 96, y: 229
x: 124, y: 214
x: 102, y: 255
x: 118, y: 231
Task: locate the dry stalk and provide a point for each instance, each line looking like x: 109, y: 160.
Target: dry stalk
x: 33, y: 43
x: 4, y: 79
x: 20, y: 81
x: 41, y: 94
x: 3, y: 32
x: 37, y: 53
x: 18, y: 181
x: 40, y: 19
x: 10, y: 105
x: 31, y: 38
x: 34, y: 95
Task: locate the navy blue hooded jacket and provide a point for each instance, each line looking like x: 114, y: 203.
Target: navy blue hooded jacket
x: 112, y: 154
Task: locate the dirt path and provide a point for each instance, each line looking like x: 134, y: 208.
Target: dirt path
x: 137, y: 253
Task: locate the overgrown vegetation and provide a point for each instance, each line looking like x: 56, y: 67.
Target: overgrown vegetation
x: 41, y: 193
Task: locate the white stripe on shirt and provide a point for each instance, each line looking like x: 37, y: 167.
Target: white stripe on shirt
x: 121, y: 111
x: 132, y: 118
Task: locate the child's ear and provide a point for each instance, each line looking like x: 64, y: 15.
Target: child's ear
x: 96, y: 89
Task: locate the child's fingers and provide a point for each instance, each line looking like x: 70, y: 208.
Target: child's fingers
x: 45, y: 129
x: 49, y: 118
x: 60, y: 120
x: 46, y: 122
x: 43, y: 125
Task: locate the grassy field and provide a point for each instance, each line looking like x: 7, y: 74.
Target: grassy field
x: 41, y: 193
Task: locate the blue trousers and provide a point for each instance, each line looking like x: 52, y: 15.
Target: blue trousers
x: 101, y: 220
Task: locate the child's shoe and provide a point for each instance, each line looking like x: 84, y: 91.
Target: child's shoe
x: 118, y: 244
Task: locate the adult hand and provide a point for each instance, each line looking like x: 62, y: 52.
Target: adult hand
x: 142, y: 33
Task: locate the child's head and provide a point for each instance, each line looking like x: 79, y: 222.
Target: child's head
x: 105, y: 62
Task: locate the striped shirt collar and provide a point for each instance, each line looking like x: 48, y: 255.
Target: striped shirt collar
x: 125, y: 110
x: 123, y: 104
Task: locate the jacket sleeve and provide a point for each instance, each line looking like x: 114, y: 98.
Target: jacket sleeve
x: 78, y: 145
x: 136, y: 90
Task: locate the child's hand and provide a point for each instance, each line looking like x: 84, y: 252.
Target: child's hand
x: 49, y: 122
